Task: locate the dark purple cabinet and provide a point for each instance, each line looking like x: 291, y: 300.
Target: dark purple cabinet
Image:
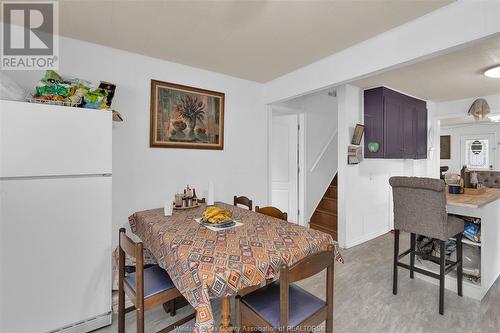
x: 374, y: 121
x: 397, y: 122
x: 421, y: 132
x: 393, y: 118
x: 409, y: 149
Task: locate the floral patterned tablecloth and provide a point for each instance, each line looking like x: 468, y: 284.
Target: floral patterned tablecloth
x: 205, y: 264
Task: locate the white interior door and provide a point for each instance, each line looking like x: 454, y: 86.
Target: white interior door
x: 284, y: 171
x: 478, y: 151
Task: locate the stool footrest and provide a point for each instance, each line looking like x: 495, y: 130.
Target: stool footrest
x: 404, y: 254
x: 452, y: 267
x: 445, y: 266
x: 451, y: 264
x: 420, y: 270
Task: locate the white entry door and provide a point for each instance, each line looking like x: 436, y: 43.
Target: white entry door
x: 284, y: 159
x: 478, y: 151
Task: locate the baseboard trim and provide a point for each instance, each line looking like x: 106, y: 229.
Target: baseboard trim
x: 88, y: 325
x: 365, y: 238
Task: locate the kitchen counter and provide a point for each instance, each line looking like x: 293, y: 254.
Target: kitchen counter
x: 473, y: 200
x: 485, y: 206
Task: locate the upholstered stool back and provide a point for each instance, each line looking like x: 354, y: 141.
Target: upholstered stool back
x: 420, y: 206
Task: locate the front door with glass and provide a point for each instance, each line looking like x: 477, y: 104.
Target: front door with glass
x: 478, y: 151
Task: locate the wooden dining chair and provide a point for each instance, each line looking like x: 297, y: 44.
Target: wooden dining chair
x: 272, y: 211
x: 283, y: 306
x: 146, y: 288
x: 242, y: 201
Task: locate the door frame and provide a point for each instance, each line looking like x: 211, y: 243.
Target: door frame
x: 301, y: 183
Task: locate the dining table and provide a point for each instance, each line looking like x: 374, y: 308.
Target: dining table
x: 205, y: 264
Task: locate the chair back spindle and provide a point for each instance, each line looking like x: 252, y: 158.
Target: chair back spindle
x: 284, y: 296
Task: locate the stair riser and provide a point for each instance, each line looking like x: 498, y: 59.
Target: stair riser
x: 325, y: 216
x: 333, y: 233
x: 330, y: 205
x: 325, y: 220
x: 331, y: 192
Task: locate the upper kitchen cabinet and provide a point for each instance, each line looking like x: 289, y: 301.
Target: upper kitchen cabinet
x: 396, y: 122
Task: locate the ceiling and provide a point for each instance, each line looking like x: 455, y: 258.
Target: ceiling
x: 254, y: 40
x: 456, y: 75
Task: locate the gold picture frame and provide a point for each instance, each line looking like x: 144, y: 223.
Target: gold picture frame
x: 186, y: 117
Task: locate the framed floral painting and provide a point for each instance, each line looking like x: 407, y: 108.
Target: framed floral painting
x: 186, y: 117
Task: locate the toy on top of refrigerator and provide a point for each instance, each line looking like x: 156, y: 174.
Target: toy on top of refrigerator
x: 54, y: 89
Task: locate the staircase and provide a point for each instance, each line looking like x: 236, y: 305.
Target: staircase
x: 324, y: 217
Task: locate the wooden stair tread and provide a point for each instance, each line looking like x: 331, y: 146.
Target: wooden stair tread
x: 322, y: 226
x: 325, y: 216
x: 327, y: 230
x: 325, y: 211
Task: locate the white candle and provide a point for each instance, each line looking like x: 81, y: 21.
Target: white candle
x: 167, y: 208
x: 210, y: 194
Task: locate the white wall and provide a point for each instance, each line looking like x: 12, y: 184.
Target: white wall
x: 321, y: 147
x: 144, y: 177
x: 452, y: 109
x: 448, y: 27
x: 459, y: 108
x: 365, y: 198
x: 455, y: 163
x: 320, y: 130
x: 365, y: 204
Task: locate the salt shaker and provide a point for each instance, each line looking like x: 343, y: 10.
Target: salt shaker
x: 178, y: 200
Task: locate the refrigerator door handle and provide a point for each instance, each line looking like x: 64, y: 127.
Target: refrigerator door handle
x: 58, y: 176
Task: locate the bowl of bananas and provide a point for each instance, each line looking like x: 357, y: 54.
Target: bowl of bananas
x: 217, y: 217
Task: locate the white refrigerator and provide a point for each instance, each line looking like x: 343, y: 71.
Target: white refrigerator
x: 55, y: 218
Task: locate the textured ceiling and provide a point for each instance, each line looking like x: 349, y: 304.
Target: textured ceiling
x: 255, y: 40
x: 456, y: 75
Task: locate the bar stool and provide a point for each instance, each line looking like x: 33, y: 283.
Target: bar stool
x: 420, y: 208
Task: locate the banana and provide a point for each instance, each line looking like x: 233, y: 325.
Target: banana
x: 210, y: 212
x: 216, y: 215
